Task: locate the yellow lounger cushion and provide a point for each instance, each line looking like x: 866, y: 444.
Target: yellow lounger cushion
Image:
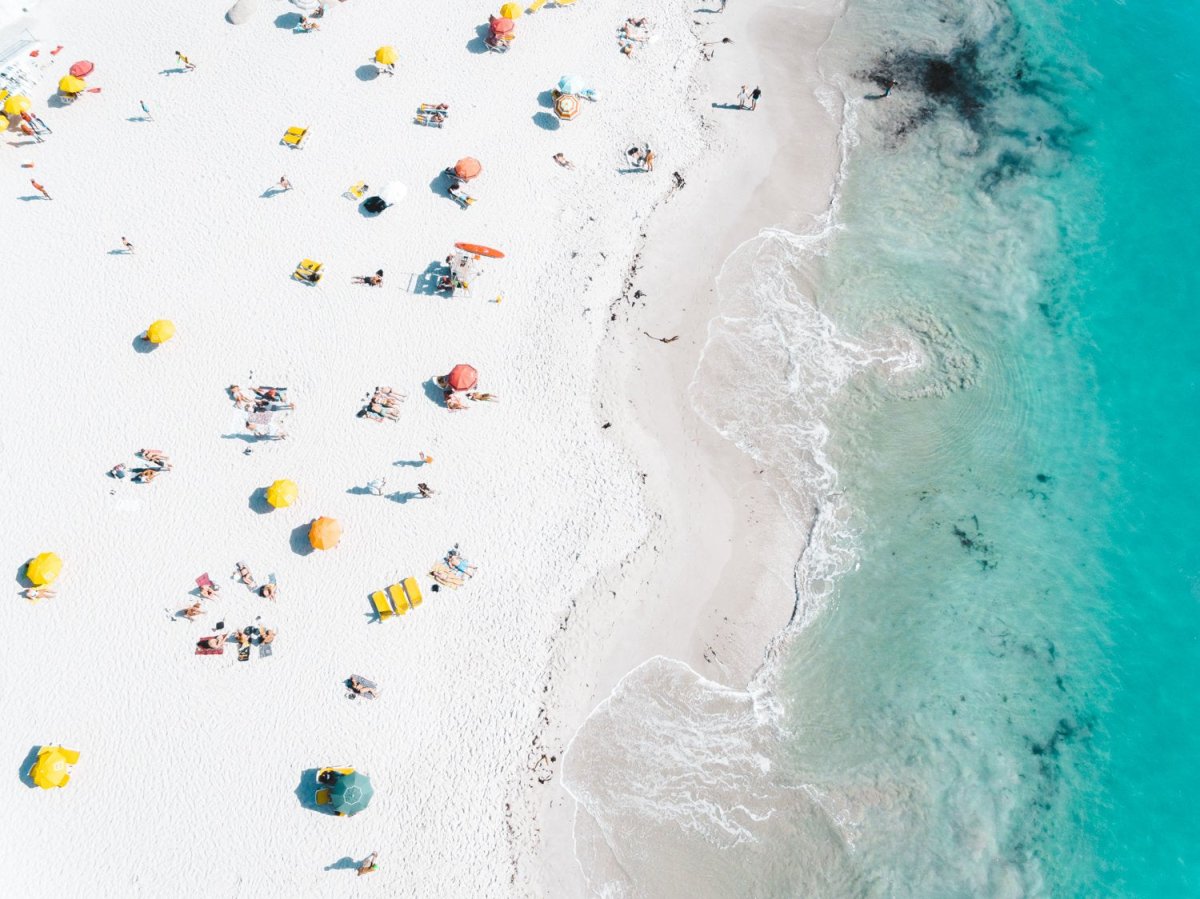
x: 323, y: 797
x: 381, y: 604
x: 413, y: 591
x: 398, y: 599
x: 294, y: 136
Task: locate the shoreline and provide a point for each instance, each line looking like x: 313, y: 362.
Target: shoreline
x: 712, y: 583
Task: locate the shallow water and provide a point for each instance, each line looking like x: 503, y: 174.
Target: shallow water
x: 989, y: 397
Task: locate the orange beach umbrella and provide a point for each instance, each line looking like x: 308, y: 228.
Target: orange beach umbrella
x: 462, y: 377
x: 467, y: 168
x: 325, y: 533
x: 566, y: 106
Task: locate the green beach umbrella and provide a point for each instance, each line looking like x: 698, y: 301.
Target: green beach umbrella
x: 351, y: 794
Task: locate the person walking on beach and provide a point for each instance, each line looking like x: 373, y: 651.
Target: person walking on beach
x: 146, y: 110
x: 743, y: 96
x: 368, y: 865
x: 648, y: 160
x: 754, y: 95
x: 284, y: 184
x: 184, y: 61
x: 887, y: 84
x: 41, y: 190
x: 425, y: 491
x: 127, y: 245
x: 563, y: 161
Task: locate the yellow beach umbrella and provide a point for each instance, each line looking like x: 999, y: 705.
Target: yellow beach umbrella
x: 161, y: 331
x: 512, y: 11
x: 386, y: 56
x: 325, y: 533
x: 282, y: 493
x: 4, y: 123
x: 17, y: 104
x: 44, y: 569
x: 536, y: 5
x: 69, y: 84
x: 50, y: 769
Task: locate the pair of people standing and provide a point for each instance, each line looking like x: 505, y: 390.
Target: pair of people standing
x: 752, y: 96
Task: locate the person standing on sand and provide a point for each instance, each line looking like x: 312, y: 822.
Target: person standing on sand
x: 368, y: 864
x: 648, y: 160
x: 184, y: 61
x: 425, y: 491
x: 127, y: 245
x: 284, y: 184
x: 722, y: 9
x: 41, y: 190
x: 743, y: 96
x: 754, y: 95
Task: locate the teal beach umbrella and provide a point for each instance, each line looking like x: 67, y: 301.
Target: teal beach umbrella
x: 351, y: 794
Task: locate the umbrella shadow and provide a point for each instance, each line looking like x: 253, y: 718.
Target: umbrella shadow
x: 546, y: 121
x: 258, y: 501
x: 367, y: 213
x: 345, y: 863
x: 366, y: 72
x: 359, y: 491
x: 289, y: 21
x: 434, y: 393
x: 306, y: 792
x: 478, y: 43
x: 58, y: 101
x: 425, y: 283
x: 142, y: 345
x: 300, y: 543
x: 27, y: 765
x: 22, y: 578
x: 440, y: 184
x: 546, y: 99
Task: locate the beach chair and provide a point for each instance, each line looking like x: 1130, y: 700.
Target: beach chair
x: 295, y: 137
x: 324, y: 797
x: 398, y: 598
x: 413, y: 591
x: 380, y: 602
x: 204, y: 581
x: 308, y: 272
x: 356, y: 191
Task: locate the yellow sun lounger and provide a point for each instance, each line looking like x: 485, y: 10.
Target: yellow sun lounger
x: 398, y: 598
x: 308, y: 271
x: 295, y: 137
x: 379, y: 600
x: 356, y: 191
x: 323, y: 797
x: 413, y: 591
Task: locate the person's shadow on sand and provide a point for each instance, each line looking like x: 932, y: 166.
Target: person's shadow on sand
x: 178, y: 70
x: 345, y: 863
x: 301, y: 545
x: 728, y: 106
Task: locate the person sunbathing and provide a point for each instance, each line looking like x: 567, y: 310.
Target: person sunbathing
x: 36, y: 593
x: 267, y: 591
x: 362, y: 689
x: 375, y: 280
x: 193, y: 610
x: 385, y: 399
x: 454, y: 402
x: 458, y: 563
x: 209, y: 591
x: 211, y: 642
x: 308, y: 25
x: 274, y: 394
x: 146, y: 475
x: 243, y: 639
x: 239, y: 398
x: 156, y: 457
x: 563, y: 161
x: 385, y: 411
x: 268, y: 636
x: 245, y: 576
x: 483, y: 397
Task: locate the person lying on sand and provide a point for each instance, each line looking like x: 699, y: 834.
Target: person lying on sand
x: 36, y: 593
x: 268, y: 635
x: 243, y: 639
x: 274, y: 394
x: 454, y: 402
x: 307, y: 24
x: 362, y: 689
x: 211, y: 642
x: 267, y: 591
x: 368, y: 865
x: 483, y: 397
x: 375, y: 280
x: 209, y: 591
x: 156, y: 457
x: 384, y: 411
x: 146, y: 475
x: 239, y: 398
x: 193, y: 610
x: 244, y: 575
x: 268, y: 432
x: 458, y: 563
x: 563, y: 161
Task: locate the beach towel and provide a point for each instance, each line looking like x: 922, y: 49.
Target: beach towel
x: 204, y: 651
x: 265, y: 650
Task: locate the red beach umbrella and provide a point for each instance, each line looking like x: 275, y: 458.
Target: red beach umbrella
x: 462, y: 377
x: 467, y: 168
x: 501, y: 26
x: 81, y: 69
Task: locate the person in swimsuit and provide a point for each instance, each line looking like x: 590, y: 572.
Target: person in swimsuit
x: 368, y: 864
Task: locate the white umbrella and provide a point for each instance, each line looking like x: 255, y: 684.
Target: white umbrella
x: 242, y: 11
x: 393, y: 193
x: 306, y: 5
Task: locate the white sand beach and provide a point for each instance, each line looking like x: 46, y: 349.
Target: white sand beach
x: 597, y: 547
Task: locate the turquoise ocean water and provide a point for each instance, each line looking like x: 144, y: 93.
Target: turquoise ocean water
x: 992, y: 683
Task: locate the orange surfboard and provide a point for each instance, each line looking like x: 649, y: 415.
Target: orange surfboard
x: 477, y: 250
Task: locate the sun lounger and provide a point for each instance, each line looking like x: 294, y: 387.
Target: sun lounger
x: 295, y: 137
x: 398, y: 598
x: 323, y: 797
x: 413, y: 591
x: 204, y: 581
x: 356, y: 191
x: 446, y: 576
x: 308, y: 271
x: 379, y: 600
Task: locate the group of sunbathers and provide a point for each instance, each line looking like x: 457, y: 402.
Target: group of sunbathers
x: 158, y: 463
x: 383, y: 404
x: 245, y: 638
x: 264, y: 399
x: 632, y: 33
x: 433, y: 114
x: 457, y: 191
x: 453, y: 570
